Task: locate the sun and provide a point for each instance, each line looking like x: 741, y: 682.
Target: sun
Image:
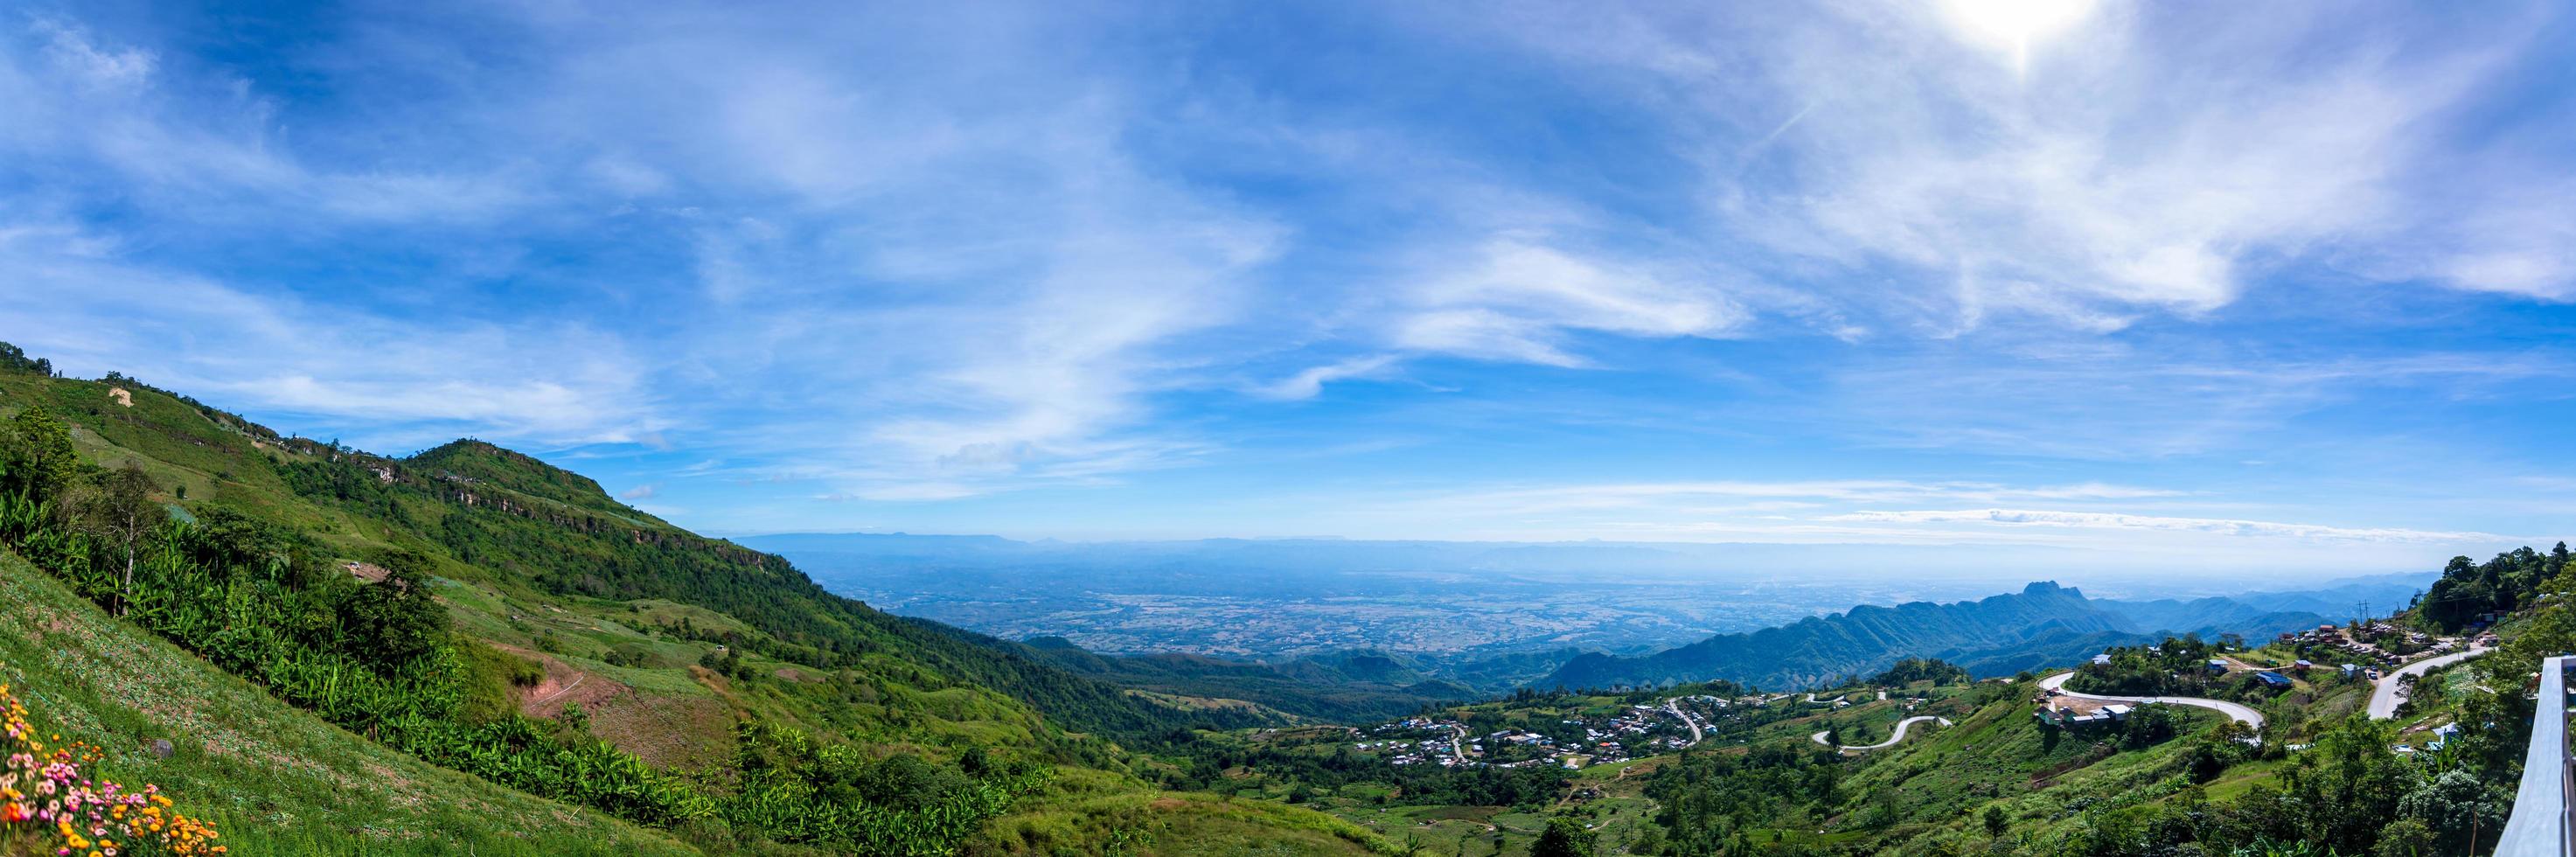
x: 2012, y: 25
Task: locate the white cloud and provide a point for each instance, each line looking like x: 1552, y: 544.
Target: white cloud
x: 2116, y: 402
x: 70, y: 49
x: 2151, y: 157
x: 403, y: 382
x: 1517, y: 299
x: 205, y: 145
x: 2218, y: 526
x: 1309, y: 383
x: 910, y: 256
x: 1685, y: 497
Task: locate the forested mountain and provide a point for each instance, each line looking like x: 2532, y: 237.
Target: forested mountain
x: 2043, y: 623
x: 477, y: 609
x: 2208, y: 617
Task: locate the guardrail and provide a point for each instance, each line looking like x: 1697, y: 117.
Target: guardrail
x: 2540, y: 824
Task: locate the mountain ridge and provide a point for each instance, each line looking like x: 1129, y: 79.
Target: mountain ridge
x: 1999, y: 629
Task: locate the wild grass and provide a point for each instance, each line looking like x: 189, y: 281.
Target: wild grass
x: 275, y: 779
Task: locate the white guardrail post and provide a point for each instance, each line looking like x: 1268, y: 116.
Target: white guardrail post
x: 2539, y: 827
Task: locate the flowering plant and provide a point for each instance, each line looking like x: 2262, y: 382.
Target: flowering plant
x: 45, y: 798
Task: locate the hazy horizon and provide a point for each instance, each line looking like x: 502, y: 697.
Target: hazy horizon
x: 2172, y: 288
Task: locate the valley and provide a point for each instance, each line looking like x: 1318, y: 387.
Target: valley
x: 498, y: 631
x: 1289, y: 598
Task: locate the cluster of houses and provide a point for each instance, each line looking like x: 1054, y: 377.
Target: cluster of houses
x: 1425, y: 741
x: 1411, y: 748
x: 2329, y: 636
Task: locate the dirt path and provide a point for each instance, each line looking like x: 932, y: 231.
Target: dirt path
x: 577, y: 679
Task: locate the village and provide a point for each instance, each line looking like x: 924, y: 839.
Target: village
x: 2383, y: 658
x: 1634, y: 731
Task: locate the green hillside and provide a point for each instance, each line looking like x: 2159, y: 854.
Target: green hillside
x: 274, y: 778
x: 479, y: 610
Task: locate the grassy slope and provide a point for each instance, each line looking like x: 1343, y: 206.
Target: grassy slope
x: 275, y: 779
x: 912, y: 692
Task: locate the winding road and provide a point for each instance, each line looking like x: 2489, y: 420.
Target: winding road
x: 1676, y: 709
x: 2383, y: 697
x: 2242, y: 714
x: 1901, y: 726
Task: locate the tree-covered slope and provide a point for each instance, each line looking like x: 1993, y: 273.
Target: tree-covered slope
x: 1335, y: 688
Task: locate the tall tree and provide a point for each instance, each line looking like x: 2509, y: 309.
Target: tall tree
x: 120, y: 510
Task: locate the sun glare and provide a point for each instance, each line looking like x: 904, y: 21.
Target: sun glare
x: 2012, y: 25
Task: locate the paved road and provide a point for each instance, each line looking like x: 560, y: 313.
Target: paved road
x: 2383, y: 698
x: 1677, y: 711
x: 2242, y: 714
x: 1901, y: 726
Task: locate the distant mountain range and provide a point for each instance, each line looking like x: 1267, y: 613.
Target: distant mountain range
x: 2043, y: 624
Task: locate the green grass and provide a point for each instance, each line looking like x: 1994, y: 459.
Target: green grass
x: 274, y: 779
x: 1080, y: 813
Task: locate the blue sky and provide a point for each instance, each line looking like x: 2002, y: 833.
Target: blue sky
x: 2192, y: 285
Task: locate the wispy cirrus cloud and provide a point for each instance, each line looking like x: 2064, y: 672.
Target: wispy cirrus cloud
x: 1517, y: 300
x: 2127, y: 168
x: 799, y: 266
x: 1784, y: 494
x: 2214, y: 526
x: 400, y: 384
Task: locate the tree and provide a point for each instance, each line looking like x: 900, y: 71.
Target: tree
x: 121, y: 512
x: 14, y: 359
x: 394, y: 620
x: 1564, y: 838
x: 2407, y: 837
x: 1996, y: 823
x: 2454, y: 807
x: 36, y: 457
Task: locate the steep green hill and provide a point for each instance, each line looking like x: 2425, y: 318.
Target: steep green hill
x: 479, y: 609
